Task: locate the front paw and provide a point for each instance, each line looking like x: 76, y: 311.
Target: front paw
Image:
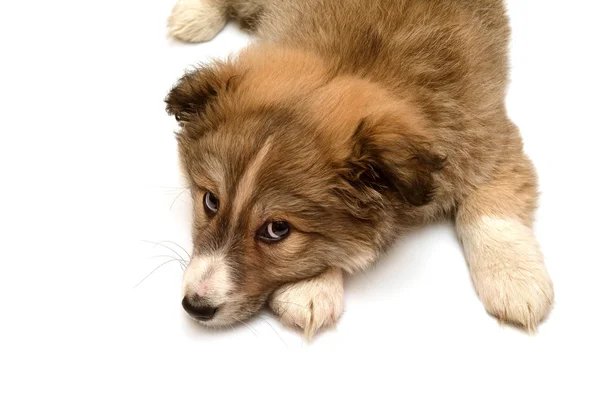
x: 311, y: 304
x: 521, y: 296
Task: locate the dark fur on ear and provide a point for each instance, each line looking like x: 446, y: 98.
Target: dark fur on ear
x: 197, y: 89
x: 388, y: 156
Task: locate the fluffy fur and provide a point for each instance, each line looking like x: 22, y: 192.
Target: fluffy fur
x: 355, y: 121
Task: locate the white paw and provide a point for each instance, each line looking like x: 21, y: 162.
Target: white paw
x: 311, y: 304
x: 519, y: 296
x: 508, y: 271
x: 196, y: 20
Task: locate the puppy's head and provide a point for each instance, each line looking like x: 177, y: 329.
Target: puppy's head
x: 290, y: 173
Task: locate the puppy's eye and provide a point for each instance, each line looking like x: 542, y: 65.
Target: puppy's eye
x: 211, y: 203
x: 275, y: 231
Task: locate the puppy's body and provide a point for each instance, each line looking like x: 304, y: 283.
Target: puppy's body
x: 354, y: 121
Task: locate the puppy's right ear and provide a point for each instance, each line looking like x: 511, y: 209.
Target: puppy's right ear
x: 389, y: 154
x: 193, y: 94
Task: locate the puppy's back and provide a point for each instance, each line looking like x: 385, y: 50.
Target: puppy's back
x: 444, y: 53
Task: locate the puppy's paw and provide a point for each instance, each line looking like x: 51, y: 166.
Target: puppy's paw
x: 196, y: 20
x: 508, y: 272
x: 521, y: 296
x: 311, y: 304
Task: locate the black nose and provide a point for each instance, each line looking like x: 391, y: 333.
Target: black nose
x: 202, y: 312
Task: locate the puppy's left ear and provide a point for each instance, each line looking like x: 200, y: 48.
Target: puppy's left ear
x: 395, y: 155
x: 198, y: 89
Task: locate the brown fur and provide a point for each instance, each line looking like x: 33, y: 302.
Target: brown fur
x: 381, y: 115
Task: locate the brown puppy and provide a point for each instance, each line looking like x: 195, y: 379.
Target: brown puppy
x: 347, y: 124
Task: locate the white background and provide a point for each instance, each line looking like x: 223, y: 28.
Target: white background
x: 89, y: 170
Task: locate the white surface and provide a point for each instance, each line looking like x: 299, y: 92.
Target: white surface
x: 89, y: 169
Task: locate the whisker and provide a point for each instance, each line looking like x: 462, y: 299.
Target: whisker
x: 163, y: 187
x: 271, y: 326
x: 178, y: 245
x: 182, y: 264
x: 165, y: 256
x: 254, y: 332
x: 164, y: 246
x: 177, y: 197
x: 286, y: 312
x: 158, y: 267
x: 295, y: 304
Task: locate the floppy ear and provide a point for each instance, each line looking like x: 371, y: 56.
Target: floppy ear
x: 392, y: 155
x: 197, y: 89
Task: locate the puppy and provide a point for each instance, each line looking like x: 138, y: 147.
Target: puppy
x: 347, y: 124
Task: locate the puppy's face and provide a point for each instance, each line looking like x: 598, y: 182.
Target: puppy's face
x: 262, y: 216
x: 278, y: 195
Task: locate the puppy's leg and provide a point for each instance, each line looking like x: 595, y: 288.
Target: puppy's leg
x: 197, y: 20
x: 311, y: 304
x: 506, y: 265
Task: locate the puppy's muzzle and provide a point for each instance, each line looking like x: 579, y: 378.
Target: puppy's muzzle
x: 198, y: 308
